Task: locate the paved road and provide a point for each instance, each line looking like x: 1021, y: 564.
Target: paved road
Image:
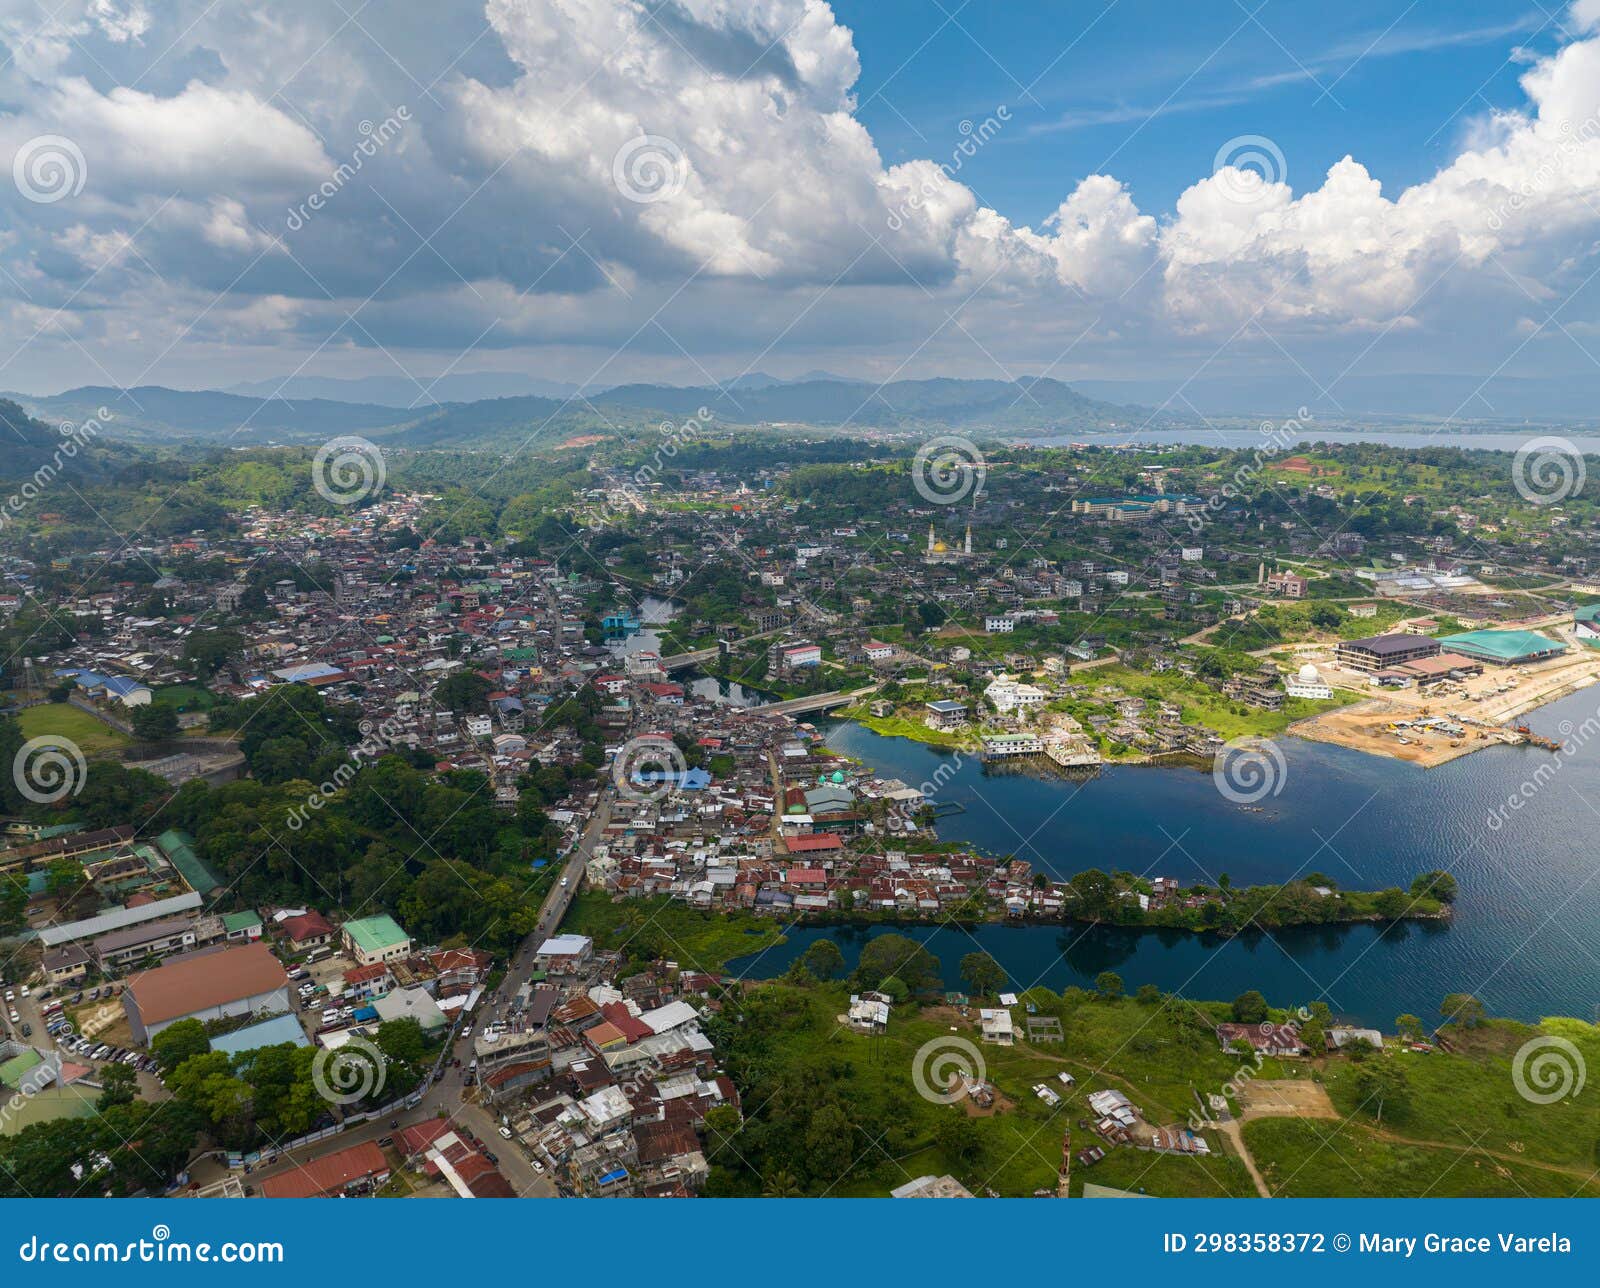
x: 444, y: 1098
x: 558, y: 900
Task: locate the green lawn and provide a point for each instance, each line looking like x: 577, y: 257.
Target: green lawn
x: 185, y: 697
x: 906, y: 727
x: 62, y: 720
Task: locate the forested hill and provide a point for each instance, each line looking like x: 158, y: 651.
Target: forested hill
x: 154, y: 414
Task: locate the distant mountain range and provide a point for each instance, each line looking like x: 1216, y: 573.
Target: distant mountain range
x: 424, y: 393
x: 522, y: 409
x: 153, y: 413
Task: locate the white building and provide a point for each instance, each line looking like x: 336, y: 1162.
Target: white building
x: 1307, y: 683
x: 1008, y: 695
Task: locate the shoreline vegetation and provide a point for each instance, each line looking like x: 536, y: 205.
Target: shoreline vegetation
x: 707, y: 939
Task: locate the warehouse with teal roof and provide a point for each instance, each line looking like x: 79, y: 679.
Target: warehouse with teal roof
x: 1504, y: 648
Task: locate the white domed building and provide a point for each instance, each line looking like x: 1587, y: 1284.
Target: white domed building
x: 1308, y: 683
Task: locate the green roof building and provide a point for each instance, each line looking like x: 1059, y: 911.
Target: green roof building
x: 1505, y: 648
x: 45, y: 1106
x: 376, y: 939
x: 12, y: 1070
x: 242, y: 925
x: 179, y: 849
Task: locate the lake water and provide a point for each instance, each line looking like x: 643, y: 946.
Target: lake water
x: 1488, y: 440
x: 1525, y: 937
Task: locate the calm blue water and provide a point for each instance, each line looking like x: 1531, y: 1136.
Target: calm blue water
x: 1205, y: 436
x: 1525, y: 938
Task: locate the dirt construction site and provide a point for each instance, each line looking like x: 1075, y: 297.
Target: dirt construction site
x: 1430, y: 726
x: 1285, y: 1098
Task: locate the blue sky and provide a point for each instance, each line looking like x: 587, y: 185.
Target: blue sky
x: 1148, y: 91
x: 1154, y: 196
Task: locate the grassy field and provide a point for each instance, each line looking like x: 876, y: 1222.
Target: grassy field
x: 1151, y: 1053
x: 1466, y: 1129
x: 695, y: 940
x: 1207, y: 708
x: 185, y: 697
x: 906, y: 727
x: 62, y: 720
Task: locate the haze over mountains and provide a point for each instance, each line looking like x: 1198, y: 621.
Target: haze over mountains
x: 153, y: 413
x: 519, y: 409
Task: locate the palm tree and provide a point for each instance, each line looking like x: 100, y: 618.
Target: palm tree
x: 781, y: 1185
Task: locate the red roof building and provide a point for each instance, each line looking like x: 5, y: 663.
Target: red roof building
x: 332, y: 1174
x: 813, y: 844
